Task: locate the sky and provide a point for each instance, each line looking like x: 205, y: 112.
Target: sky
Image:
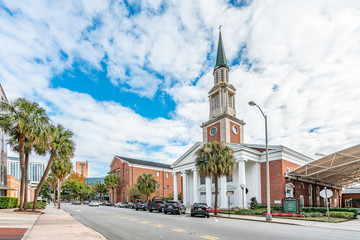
x: 131, y: 78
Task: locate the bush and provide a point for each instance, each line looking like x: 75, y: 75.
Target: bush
x: 8, y: 202
x: 312, y: 214
x: 324, y: 211
x: 253, y: 203
x: 347, y: 215
x: 39, y: 205
x: 246, y: 212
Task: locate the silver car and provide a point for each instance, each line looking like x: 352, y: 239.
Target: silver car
x: 120, y: 205
x: 94, y: 204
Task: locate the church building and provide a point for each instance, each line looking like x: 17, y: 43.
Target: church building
x: 249, y: 177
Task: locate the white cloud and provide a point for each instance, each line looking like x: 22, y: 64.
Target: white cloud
x: 308, y: 50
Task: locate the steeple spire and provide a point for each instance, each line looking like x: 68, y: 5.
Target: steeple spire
x: 220, y: 58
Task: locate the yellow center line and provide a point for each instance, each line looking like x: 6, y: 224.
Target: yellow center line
x: 159, y: 225
x: 124, y: 217
x: 210, y: 237
x: 179, y: 230
x: 133, y: 219
x: 144, y: 222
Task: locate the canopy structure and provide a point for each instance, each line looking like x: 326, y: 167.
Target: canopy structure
x: 340, y: 169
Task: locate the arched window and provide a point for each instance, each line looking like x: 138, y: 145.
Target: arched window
x: 310, y: 195
x: 318, y: 196
x: 222, y: 75
x: 217, y: 77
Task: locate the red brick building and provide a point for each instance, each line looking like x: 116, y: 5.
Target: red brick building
x: 351, y: 197
x: 128, y: 170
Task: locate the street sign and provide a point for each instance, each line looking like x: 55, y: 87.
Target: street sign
x: 326, y: 193
x: 290, y: 205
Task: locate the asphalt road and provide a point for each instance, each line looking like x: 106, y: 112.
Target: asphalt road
x: 118, y: 223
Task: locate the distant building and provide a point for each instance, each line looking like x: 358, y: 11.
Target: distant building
x: 35, y: 170
x: 82, y: 168
x: 3, y: 154
x: 128, y: 170
x: 92, y: 181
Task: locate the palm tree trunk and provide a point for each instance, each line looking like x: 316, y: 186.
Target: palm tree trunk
x: 54, y: 196
x: 43, y: 178
x: 26, y: 180
x: 59, y: 195
x: 216, y: 194
x: 22, y: 168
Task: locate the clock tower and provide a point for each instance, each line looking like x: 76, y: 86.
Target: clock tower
x: 223, y: 125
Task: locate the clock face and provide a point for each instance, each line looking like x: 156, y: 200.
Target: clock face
x: 213, y: 131
x: 234, y: 129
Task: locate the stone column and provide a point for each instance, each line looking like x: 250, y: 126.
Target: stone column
x: 208, y: 191
x: 184, y: 190
x: 195, y: 185
x: 242, y: 192
x: 175, y: 186
x: 223, y: 192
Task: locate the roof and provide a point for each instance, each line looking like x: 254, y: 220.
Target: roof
x: 340, y: 168
x: 352, y: 190
x: 143, y: 162
x: 220, y: 58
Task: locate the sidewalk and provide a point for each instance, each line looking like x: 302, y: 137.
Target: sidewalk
x: 58, y: 224
x: 352, y: 225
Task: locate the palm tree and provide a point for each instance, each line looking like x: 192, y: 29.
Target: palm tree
x: 23, y: 119
x: 52, y: 181
x: 146, y: 184
x: 60, y: 168
x: 57, y: 141
x: 111, y: 181
x: 215, y: 159
x: 100, y: 188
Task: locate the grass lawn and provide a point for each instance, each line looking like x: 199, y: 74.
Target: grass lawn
x: 319, y: 219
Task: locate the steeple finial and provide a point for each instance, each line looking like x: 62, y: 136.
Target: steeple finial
x: 220, y: 58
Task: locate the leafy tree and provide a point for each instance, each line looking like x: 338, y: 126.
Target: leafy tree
x: 78, y: 177
x: 58, y: 141
x: 52, y: 181
x: 146, y: 184
x: 45, y: 190
x: 215, y: 159
x: 133, y: 193
x: 100, y: 188
x: 61, y: 167
x: 111, y: 181
x: 73, y: 188
x: 24, y: 120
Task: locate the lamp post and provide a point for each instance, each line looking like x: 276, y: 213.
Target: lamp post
x: 242, y: 186
x: 268, y: 215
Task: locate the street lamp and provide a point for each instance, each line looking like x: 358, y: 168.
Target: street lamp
x: 268, y: 215
x: 242, y: 186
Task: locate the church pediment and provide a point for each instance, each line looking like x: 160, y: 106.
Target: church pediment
x: 188, y: 157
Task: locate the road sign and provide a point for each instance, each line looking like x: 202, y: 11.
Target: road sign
x: 326, y: 193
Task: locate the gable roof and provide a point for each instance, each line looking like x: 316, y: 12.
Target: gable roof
x: 143, y: 162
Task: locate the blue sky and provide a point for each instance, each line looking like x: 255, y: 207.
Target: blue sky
x: 131, y: 78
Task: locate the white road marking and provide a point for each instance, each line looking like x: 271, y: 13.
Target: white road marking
x: 216, y: 219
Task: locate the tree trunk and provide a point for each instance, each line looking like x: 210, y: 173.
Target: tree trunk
x: 216, y: 194
x: 54, y: 196
x: 59, y: 194
x: 22, y: 168
x: 43, y: 178
x: 27, y: 155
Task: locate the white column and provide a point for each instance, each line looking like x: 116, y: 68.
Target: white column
x: 242, y: 192
x: 175, y: 187
x: 223, y: 192
x: 184, y: 190
x: 208, y: 191
x: 195, y: 185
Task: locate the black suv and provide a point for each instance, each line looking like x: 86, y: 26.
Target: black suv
x: 174, y: 207
x: 200, y: 209
x: 157, y: 205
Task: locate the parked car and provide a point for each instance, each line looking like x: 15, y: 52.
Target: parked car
x: 77, y: 202
x: 102, y: 203
x: 86, y: 202
x: 131, y: 205
x: 141, y: 206
x: 157, y: 206
x: 174, y: 207
x: 107, y: 203
x: 94, y: 204
x: 120, y: 205
x: 200, y: 209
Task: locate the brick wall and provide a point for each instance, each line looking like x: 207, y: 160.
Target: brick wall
x: 235, y: 138
x: 216, y: 136
x: 346, y: 196
x: 15, y: 184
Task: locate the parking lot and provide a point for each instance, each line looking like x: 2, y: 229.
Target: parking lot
x: 124, y: 223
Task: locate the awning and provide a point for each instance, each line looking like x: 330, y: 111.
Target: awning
x: 338, y: 169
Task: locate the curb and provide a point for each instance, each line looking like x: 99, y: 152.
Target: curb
x: 30, y: 228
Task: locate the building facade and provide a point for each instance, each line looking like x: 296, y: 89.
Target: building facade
x: 35, y: 170
x: 249, y: 176
x: 3, y: 153
x: 128, y: 170
x: 82, y: 168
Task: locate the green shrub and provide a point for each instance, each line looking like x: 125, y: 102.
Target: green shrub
x: 39, y: 205
x: 323, y: 210
x: 253, y: 203
x: 246, y: 212
x: 312, y: 214
x: 8, y: 202
x: 347, y: 215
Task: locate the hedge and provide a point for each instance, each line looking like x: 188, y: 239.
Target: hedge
x: 312, y: 214
x: 8, y: 202
x: 347, y: 215
x: 39, y: 205
x: 324, y: 211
